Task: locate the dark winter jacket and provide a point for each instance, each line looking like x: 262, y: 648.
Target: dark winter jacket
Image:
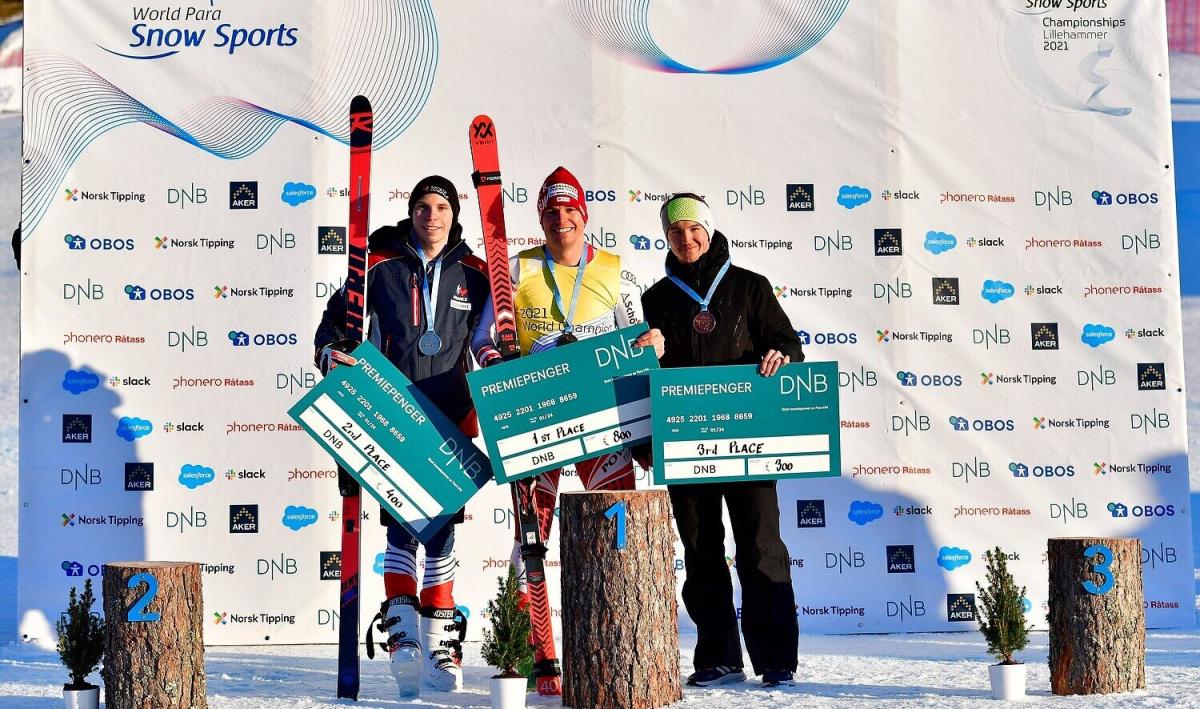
x: 750, y: 320
x: 397, y: 310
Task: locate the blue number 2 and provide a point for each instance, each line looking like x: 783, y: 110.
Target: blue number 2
x: 136, y: 614
x: 618, y: 510
x: 1101, y: 568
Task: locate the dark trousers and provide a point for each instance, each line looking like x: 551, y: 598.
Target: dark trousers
x: 763, y: 566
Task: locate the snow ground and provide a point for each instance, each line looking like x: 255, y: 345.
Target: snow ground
x: 917, y: 670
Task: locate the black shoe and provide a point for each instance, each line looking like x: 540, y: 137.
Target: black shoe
x: 716, y: 676
x: 776, y: 678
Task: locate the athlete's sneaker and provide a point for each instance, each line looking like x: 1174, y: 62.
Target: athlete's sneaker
x: 776, y: 678
x: 716, y: 676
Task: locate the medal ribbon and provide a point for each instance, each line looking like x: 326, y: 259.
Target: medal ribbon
x: 711, y: 289
x: 569, y: 323
x: 429, y: 288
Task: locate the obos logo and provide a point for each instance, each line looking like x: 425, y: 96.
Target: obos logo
x: 996, y: 291
x: 810, y: 513
x: 331, y: 240
x: 1118, y: 509
x: 800, y: 197
x: 1095, y: 334
x: 911, y: 379
x: 901, y: 559
x: 1151, y: 376
x: 1021, y: 470
x: 851, y: 196
x: 76, y: 242
x: 243, y: 339
x: 243, y: 519
x: 939, y: 242
x: 827, y: 338
x: 1104, y: 198
x: 137, y: 292
x: 864, y: 512
x: 960, y: 423
x: 951, y: 558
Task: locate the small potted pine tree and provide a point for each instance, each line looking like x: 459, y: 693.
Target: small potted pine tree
x: 1002, y: 622
x: 506, y: 644
x: 80, y: 645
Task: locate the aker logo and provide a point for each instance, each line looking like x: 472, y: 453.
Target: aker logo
x: 1151, y: 376
x: 77, y: 428
x: 864, y: 512
x: 78, y: 381
x: 139, y: 477
x: 951, y: 558
x: 800, y: 197
x: 901, y: 559
x: 851, y: 196
x: 1044, y: 335
x: 243, y: 519
x: 945, y: 291
x: 960, y: 607
x: 1095, y: 334
x: 243, y: 195
x: 996, y: 291
x: 810, y: 513
x: 1104, y: 199
x: 331, y: 565
x: 331, y: 240
x: 939, y: 242
x: 889, y: 242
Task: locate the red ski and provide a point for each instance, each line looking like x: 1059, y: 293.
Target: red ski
x: 486, y: 159
x: 361, y: 124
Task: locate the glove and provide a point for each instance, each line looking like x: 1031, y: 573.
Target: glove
x: 493, y: 358
x: 336, y: 353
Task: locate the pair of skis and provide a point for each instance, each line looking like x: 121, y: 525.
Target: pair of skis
x: 486, y: 161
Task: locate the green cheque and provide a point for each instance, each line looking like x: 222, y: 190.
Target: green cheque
x: 394, y: 441
x: 566, y: 404
x: 730, y: 424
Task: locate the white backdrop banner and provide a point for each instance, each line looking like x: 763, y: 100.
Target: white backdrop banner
x: 969, y: 205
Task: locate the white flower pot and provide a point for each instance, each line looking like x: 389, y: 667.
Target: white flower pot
x: 1008, y: 682
x: 81, y: 698
x: 509, y: 692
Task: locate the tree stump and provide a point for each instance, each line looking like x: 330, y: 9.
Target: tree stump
x: 1097, y: 633
x: 153, y: 662
x: 620, y: 621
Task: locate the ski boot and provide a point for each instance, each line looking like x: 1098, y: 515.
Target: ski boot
x: 442, y: 633
x: 398, y: 617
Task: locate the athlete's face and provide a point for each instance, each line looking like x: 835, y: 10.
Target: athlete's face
x: 432, y: 217
x: 562, y: 224
x: 688, y: 240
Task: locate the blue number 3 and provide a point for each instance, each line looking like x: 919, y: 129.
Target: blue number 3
x: 136, y: 611
x: 1101, y: 568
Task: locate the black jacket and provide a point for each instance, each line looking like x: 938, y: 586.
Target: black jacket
x: 750, y: 320
x: 398, y: 313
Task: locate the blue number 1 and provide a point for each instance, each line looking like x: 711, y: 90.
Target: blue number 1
x: 136, y: 614
x: 1100, y: 567
x: 618, y: 510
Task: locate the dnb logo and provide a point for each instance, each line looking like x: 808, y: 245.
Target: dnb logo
x: 901, y: 559
x: 243, y: 195
x: 624, y: 31
x: 889, y: 242
x: 960, y: 607
x: 1151, y: 376
x: 945, y: 291
x: 800, y: 197
x: 331, y: 565
x: 77, y: 428
x: 139, y: 477
x: 243, y: 519
x: 1044, y: 335
x: 331, y: 240
x: 810, y: 513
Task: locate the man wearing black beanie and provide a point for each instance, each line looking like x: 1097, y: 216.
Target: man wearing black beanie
x: 425, y: 294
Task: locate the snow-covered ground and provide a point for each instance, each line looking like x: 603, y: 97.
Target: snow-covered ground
x: 918, y: 670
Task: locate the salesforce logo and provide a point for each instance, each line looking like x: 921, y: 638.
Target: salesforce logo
x: 950, y: 558
x: 996, y: 291
x: 193, y: 476
x: 851, y: 196
x: 377, y: 567
x: 78, y: 381
x: 939, y: 242
x: 1095, y: 335
x: 295, y: 193
x: 863, y: 512
x: 130, y: 428
x: 295, y: 517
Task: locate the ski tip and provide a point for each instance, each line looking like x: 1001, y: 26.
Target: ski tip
x: 360, y: 104
x: 481, y: 117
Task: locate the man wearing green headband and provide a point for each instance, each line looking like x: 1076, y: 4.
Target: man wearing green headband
x: 711, y: 313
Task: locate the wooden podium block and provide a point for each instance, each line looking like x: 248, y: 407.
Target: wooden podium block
x: 154, y: 635
x: 620, y: 620
x: 1097, y: 616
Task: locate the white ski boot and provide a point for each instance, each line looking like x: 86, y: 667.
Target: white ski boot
x: 442, y: 632
x: 403, y: 643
